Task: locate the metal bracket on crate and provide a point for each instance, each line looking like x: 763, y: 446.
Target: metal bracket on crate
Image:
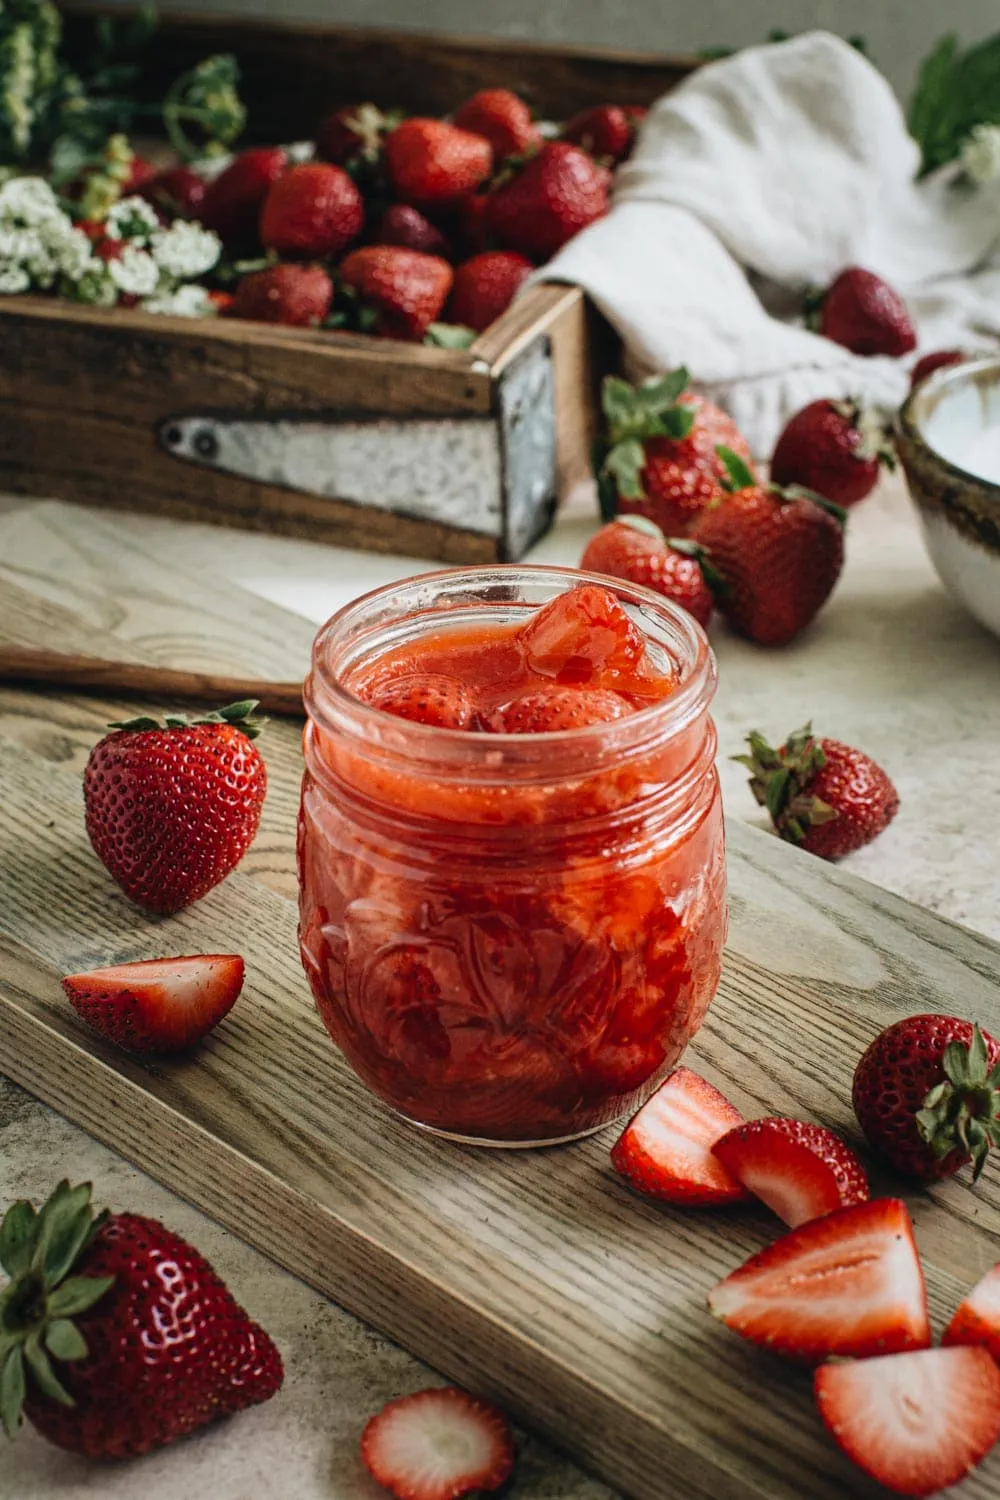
x: 494, y: 475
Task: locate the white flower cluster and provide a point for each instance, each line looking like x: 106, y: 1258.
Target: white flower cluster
x: 981, y: 153
x: 134, y: 255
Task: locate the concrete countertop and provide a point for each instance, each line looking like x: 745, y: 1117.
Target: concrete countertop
x: 891, y: 666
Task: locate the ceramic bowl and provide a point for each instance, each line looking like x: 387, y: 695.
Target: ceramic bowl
x: 949, y: 444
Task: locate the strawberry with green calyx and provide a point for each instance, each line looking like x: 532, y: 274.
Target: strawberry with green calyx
x: 660, y: 456
x: 634, y: 548
x: 115, y: 1335
x: 821, y: 794
x: 836, y: 449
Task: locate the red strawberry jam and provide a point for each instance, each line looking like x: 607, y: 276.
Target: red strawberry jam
x: 510, y: 847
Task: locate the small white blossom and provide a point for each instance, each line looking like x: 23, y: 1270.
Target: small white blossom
x: 981, y: 153
x: 18, y: 244
x: 135, y: 272
x: 13, y: 279
x: 184, y: 302
x: 28, y: 201
x: 69, y: 247
x: 300, y: 151
x: 185, y: 250
x: 131, y: 219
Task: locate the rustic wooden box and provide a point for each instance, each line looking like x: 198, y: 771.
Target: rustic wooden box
x: 456, y: 455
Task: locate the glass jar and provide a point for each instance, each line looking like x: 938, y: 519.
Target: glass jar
x: 512, y: 938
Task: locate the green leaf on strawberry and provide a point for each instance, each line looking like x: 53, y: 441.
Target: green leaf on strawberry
x: 739, y: 474
x: 625, y: 464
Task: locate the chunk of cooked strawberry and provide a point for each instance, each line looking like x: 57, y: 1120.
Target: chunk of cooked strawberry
x: 558, y: 708
x: 427, y: 698
x: 583, y: 638
x: 848, y: 1284
x: 160, y: 1004
x: 917, y: 1423
x: 665, y: 1151
x: 439, y: 1444
x: 798, y: 1169
x: 977, y: 1317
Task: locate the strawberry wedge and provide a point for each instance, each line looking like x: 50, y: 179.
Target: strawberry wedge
x: 438, y: 1445
x: 798, y: 1169
x: 848, y: 1284
x: 917, y: 1423
x: 161, y: 1005
x: 665, y: 1150
x: 977, y: 1317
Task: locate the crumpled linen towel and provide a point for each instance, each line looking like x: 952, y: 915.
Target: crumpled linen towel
x: 758, y: 177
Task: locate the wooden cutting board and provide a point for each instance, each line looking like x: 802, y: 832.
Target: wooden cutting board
x: 535, y: 1277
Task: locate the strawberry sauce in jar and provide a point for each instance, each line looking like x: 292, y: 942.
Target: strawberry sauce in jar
x: 511, y: 860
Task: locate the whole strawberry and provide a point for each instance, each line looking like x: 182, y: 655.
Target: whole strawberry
x: 927, y: 1095
x: 836, y: 448
x: 823, y: 795
x: 403, y: 288
x: 503, y: 118
x: 634, y: 549
x: 177, y: 192
x: 866, y: 315
x: 555, y: 194
x: 779, y: 554
x: 661, y: 454
x: 354, y: 130
x: 485, y: 287
x: 938, y: 359
x: 430, y: 161
x: 402, y: 224
x: 312, y: 211
x: 299, y: 296
x: 172, y: 808
x: 606, y: 131
x: 117, y: 1337
x: 232, y: 202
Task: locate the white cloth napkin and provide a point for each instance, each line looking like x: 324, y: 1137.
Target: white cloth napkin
x: 763, y: 175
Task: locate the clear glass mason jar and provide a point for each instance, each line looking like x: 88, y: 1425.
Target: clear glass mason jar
x: 512, y: 938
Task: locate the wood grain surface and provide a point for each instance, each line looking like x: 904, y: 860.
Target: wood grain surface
x: 535, y: 1277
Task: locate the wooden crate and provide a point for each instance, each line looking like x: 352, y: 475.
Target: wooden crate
x: 456, y: 455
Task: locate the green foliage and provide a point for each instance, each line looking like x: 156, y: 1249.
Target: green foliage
x: 956, y: 91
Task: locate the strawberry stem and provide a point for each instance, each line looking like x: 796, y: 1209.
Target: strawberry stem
x: 780, y: 780
x: 962, y: 1112
x: 239, y: 715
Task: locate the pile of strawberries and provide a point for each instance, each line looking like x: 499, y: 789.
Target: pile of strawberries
x: 398, y: 224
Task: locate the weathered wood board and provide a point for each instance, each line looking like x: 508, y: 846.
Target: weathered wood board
x: 536, y: 1277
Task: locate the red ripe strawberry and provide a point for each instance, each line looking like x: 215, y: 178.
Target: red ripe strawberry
x: 299, y: 296
x: 160, y: 1005
x: 835, y: 448
x: 438, y: 1445
x: 977, y: 1317
x: 430, y: 161
x: 232, y: 203
x: 866, y: 315
x: 485, y: 287
x: 916, y: 1423
x: 140, y: 172
x: 822, y: 795
x: 352, y: 131
x: 665, y: 1150
x: 177, y: 192
x: 779, y: 553
x: 172, y: 809
x: 472, y: 228
x: 312, y: 211
x: 927, y: 1095
x: 661, y: 458
x: 551, y: 198
x: 940, y: 359
x: 848, y: 1285
x: 427, y: 698
x: 634, y: 549
x: 582, y: 638
x: 403, y: 225
x: 606, y: 131
x: 405, y: 289
x: 503, y: 118
x: 115, y: 1335
x: 556, y: 709
x: 801, y: 1171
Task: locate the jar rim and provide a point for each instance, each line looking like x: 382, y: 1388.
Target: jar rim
x: 333, y: 707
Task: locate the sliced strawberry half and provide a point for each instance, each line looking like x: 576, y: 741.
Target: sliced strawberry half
x: 665, y: 1150
x: 799, y: 1170
x: 847, y: 1284
x: 977, y: 1317
x: 916, y: 1422
x: 161, y: 1005
x: 438, y: 1445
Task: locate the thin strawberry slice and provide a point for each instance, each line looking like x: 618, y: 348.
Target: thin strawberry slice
x: 665, y: 1150
x: 848, y: 1284
x: 438, y: 1445
x: 977, y: 1317
x: 917, y: 1422
x: 161, y: 1005
x: 799, y: 1170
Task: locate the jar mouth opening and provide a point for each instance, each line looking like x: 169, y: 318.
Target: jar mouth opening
x: 388, y: 615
